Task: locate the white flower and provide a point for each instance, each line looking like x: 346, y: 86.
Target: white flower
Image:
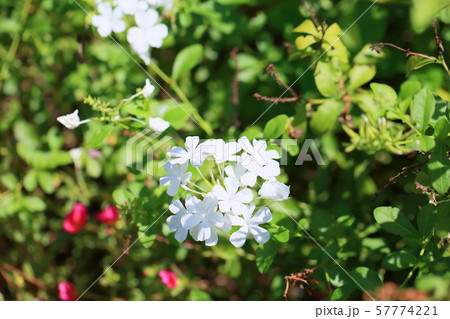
x: 258, y: 152
x: 145, y: 56
x: 108, y: 20
x: 203, y: 219
x: 222, y: 151
x: 71, y: 120
x: 148, y: 88
x: 194, y: 152
x: 157, y: 124
x: 147, y: 33
x: 75, y: 154
x: 167, y: 4
x: 177, y: 176
x: 230, y: 198
x: 131, y: 6
x: 246, y: 178
x: 274, y: 190
x: 174, y: 221
x: 249, y: 226
x: 265, y: 171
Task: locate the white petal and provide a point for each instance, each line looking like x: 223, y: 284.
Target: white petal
x: 213, y: 238
x: 173, y: 189
x: 239, y: 237
x: 189, y: 221
x: 136, y: 38
x: 249, y: 179
x: 216, y: 219
x: 231, y: 185
x: 156, y: 34
x: 157, y: 124
x: 173, y: 222
x: 219, y: 192
x: 263, y: 215
x: 119, y: 26
x: 238, y: 208
x: 204, y: 232
x: 244, y: 196
x: 166, y: 180
x: 261, y: 235
x: 181, y: 234
x: 224, y: 206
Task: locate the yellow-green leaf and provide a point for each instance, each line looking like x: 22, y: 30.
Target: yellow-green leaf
x: 308, y: 27
x: 303, y: 42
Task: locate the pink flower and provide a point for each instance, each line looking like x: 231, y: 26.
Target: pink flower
x: 168, y: 278
x: 67, y: 291
x: 108, y: 216
x: 76, y: 219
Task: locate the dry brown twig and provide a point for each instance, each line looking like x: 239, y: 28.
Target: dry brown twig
x: 270, y: 69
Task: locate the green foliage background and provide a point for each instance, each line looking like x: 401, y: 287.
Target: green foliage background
x: 368, y: 119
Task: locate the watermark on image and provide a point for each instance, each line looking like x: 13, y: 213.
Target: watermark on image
x: 144, y: 150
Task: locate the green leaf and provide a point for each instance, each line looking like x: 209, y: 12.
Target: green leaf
x: 398, y: 260
x: 324, y: 119
x: 426, y: 143
x: 303, y: 42
x: 30, y: 180
x: 308, y: 27
x: 276, y: 126
x: 9, y: 180
x: 438, y: 169
x: 416, y: 62
x: 443, y: 220
x: 198, y: 295
x: 97, y: 140
x: 393, y: 221
x: 326, y: 79
x: 186, y: 60
x: 122, y: 197
x: 45, y: 180
x: 441, y: 129
x: 423, y: 108
x: 281, y: 234
x: 25, y: 134
x: 366, y: 277
x: 426, y: 219
x: 34, y: 204
x: 265, y: 254
x: 385, y: 94
x: 360, y: 75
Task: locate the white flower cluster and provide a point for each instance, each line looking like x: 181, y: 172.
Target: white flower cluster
x: 147, y: 33
x: 230, y: 199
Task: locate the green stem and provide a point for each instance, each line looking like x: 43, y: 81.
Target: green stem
x: 445, y: 67
x: 81, y: 183
x: 190, y: 108
x: 422, y: 251
x: 15, y: 43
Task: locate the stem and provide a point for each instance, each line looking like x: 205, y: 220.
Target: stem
x: 204, y: 179
x: 81, y: 183
x: 445, y: 67
x: 139, y: 121
x: 422, y: 251
x: 191, y: 109
x: 199, y: 187
x: 15, y: 43
x: 191, y: 190
x: 408, y: 53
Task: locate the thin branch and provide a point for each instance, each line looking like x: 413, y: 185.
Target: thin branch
x: 235, y: 87
x: 375, y: 47
x: 404, y: 172
x: 270, y: 69
x: 274, y: 99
